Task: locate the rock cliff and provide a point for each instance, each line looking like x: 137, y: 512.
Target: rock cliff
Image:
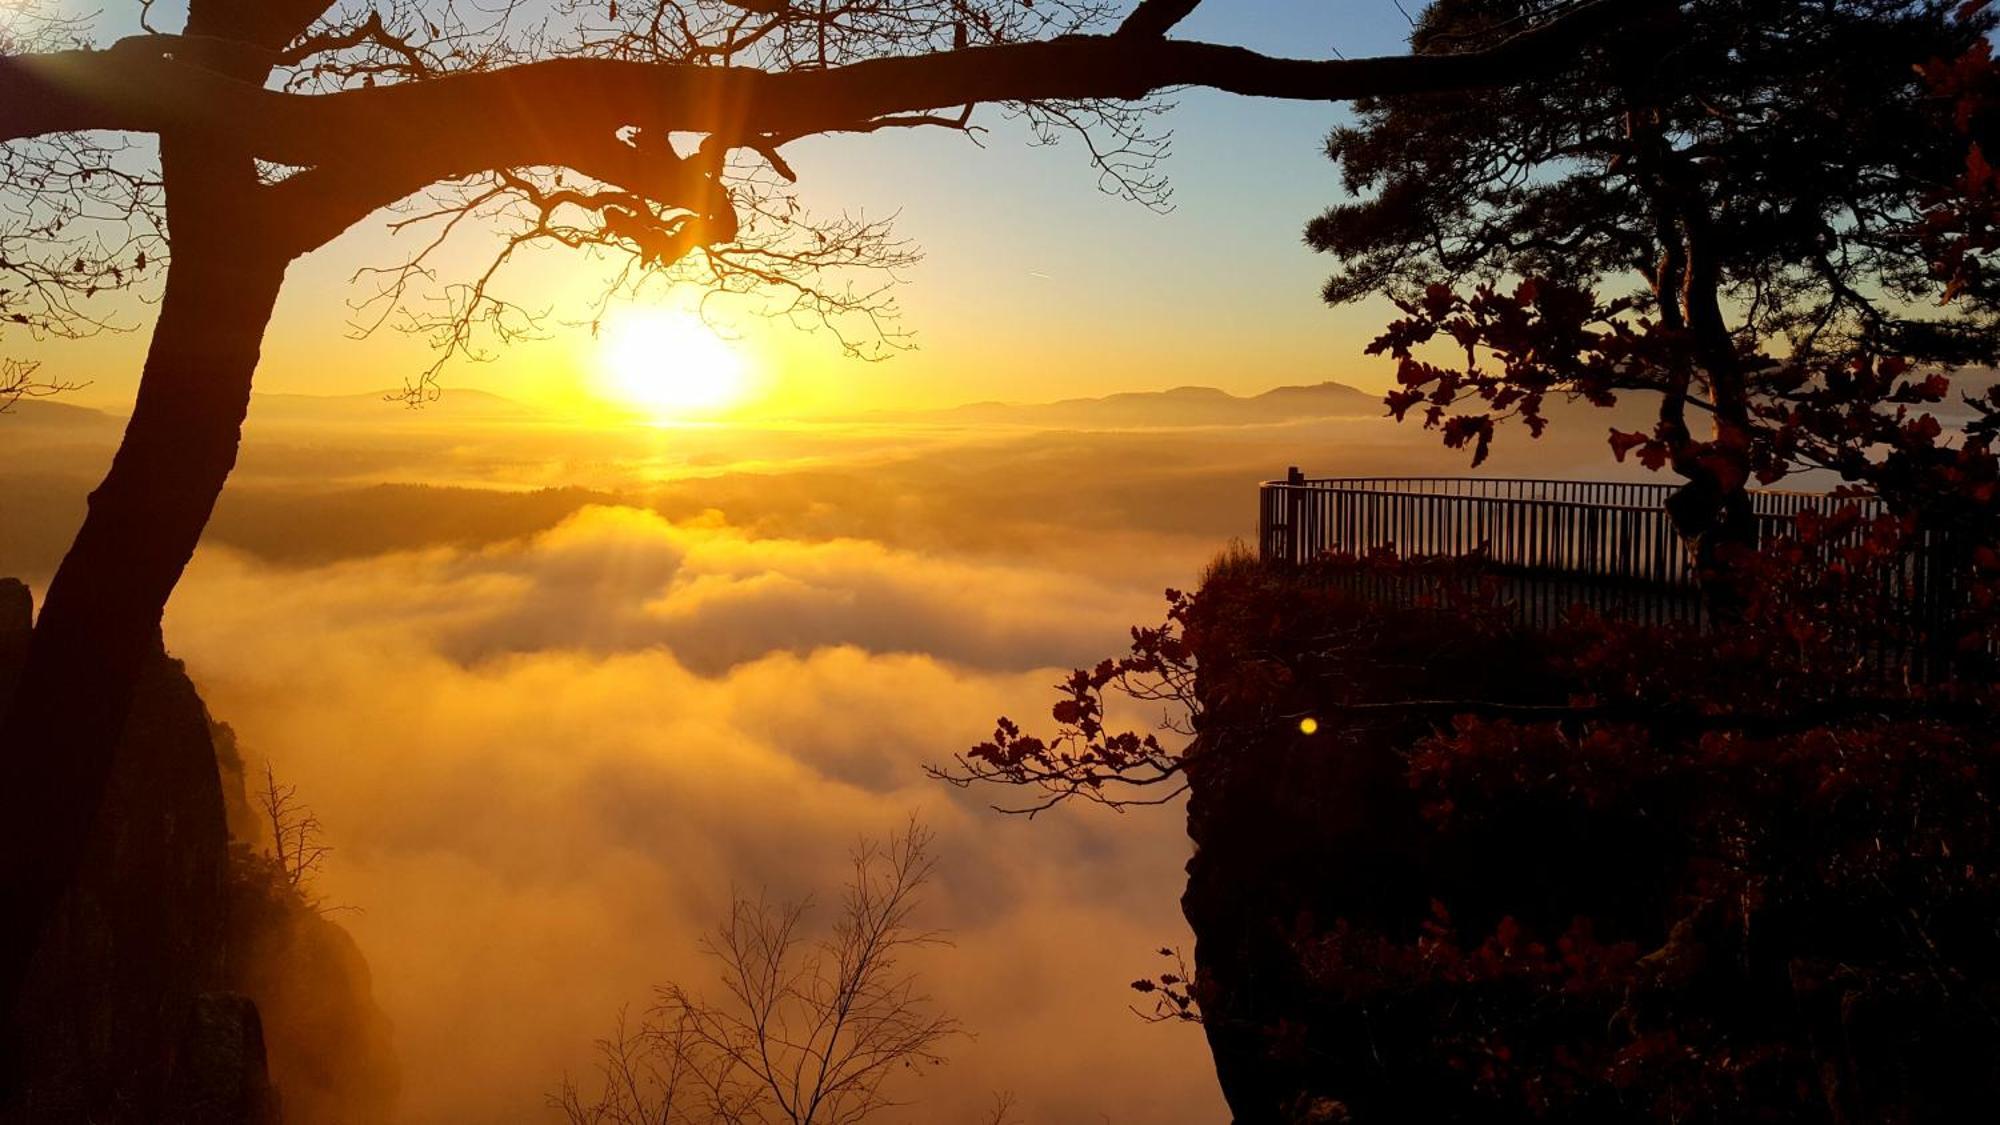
x: 178, y: 982
x: 1406, y: 914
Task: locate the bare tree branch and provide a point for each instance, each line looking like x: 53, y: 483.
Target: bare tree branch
x: 81, y: 216
x: 810, y: 1032
x: 297, y: 848
x: 21, y: 379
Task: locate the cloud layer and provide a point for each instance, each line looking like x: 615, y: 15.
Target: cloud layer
x: 545, y: 765
x: 619, y: 580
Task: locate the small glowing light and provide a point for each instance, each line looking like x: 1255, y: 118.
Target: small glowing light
x: 1308, y: 725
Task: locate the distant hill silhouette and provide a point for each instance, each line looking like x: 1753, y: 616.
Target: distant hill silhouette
x: 52, y: 414
x: 378, y: 406
x: 1175, y: 408
x: 372, y: 407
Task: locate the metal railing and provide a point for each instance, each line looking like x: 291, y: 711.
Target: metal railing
x: 1556, y: 543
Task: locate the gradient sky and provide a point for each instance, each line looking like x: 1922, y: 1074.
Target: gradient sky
x: 1034, y: 284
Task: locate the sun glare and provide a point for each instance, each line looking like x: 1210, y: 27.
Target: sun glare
x: 670, y: 365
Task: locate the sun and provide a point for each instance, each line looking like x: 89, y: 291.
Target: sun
x: 669, y: 364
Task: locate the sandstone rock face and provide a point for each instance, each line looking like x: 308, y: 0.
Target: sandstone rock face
x: 1287, y: 838
x: 17, y: 616
x: 331, y: 1050
x: 139, y: 938
x: 219, y: 1073
x: 182, y: 981
x: 1298, y: 831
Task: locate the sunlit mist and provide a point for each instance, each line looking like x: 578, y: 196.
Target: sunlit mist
x: 669, y: 365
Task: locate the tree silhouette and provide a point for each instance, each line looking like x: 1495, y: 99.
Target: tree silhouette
x: 297, y: 849
x: 808, y: 1032
x: 1762, y: 170
x: 281, y: 123
x: 1483, y: 186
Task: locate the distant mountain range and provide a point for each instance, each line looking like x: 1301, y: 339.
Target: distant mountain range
x: 373, y: 407
x: 50, y: 414
x: 1176, y: 408
x: 379, y: 406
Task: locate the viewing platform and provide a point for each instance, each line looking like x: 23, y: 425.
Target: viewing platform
x: 1554, y: 543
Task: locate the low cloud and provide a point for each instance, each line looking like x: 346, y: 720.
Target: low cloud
x: 615, y: 579
x: 623, y: 579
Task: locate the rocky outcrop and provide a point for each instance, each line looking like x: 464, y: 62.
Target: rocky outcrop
x: 331, y: 1049
x: 1296, y: 832
x: 113, y: 1024
x: 179, y: 982
x: 220, y: 1074
x: 1592, y: 923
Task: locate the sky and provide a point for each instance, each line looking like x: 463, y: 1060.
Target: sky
x: 1034, y: 285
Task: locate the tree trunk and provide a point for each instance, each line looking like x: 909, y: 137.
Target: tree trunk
x: 1719, y: 501
x: 101, y: 613
x: 1710, y: 513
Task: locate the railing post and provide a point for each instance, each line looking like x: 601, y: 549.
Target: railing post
x: 1267, y: 523
x: 1295, y: 506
